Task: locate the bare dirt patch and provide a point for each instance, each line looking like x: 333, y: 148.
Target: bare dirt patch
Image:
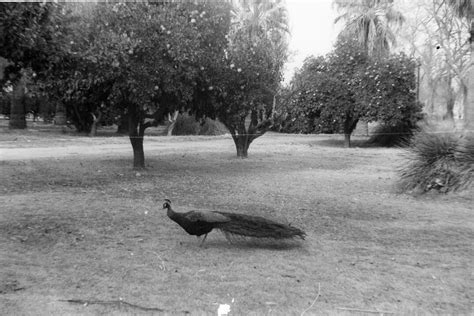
x: 82, y: 225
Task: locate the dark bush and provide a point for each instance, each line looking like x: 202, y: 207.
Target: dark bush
x: 389, y: 136
x: 187, y: 125
x: 4, y: 104
x: 213, y: 128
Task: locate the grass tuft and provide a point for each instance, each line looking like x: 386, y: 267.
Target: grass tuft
x: 438, y: 161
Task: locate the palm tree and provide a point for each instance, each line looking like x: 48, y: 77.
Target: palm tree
x: 258, y: 19
x: 262, y: 19
x: 374, y: 22
x: 463, y: 8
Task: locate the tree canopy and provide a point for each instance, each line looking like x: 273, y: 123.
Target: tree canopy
x: 252, y: 70
x: 31, y: 37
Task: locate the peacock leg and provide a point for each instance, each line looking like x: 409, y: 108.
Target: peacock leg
x: 202, y: 241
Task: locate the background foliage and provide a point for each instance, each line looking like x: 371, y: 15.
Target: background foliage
x: 332, y: 93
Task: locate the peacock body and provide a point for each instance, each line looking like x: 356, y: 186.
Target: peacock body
x: 200, y: 223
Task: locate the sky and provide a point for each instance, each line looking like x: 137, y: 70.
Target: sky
x: 312, y: 31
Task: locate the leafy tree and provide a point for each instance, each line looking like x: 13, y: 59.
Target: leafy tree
x: 142, y: 60
x: 338, y: 90
x: 29, y: 38
x: 372, y: 22
x: 289, y: 107
x: 249, y: 77
x: 167, y: 70
x: 328, y: 86
x: 387, y: 90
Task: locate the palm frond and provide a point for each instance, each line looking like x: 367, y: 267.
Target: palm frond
x: 373, y: 22
x: 463, y: 8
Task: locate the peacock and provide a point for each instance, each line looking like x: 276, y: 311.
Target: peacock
x: 200, y: 223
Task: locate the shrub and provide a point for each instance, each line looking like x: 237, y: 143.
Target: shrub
x: 438, y: 161
x: 187, y: 125
x: 4, y: 104
x: 213, y: 127
x: 388, y: 136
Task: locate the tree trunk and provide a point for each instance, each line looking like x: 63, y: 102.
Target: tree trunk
x: 169, y: 131
x: 17, y: 106
x: 241, y: 138
x: 349, y: 126
x: 449, y: 115
x: 138, y: 152
x: 136, y: 132
x: 469, y: 105
x: 172, y: 119
x: 245, y: 131
x: 80, y: 122
x: 60, y: 115
x: 347, y: 140
x: 95, y: 122
x: 242, y: 145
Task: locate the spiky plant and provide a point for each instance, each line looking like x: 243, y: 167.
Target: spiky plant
x: 465, y: 157
x: 440, y: 161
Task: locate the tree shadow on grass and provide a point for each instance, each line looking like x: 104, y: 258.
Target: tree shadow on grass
x: 254, y: 243
x: 362, y: 142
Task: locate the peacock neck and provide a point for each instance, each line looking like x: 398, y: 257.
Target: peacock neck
x: 171, y: 214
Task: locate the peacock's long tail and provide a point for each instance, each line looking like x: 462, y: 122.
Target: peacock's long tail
x: 257, y: 227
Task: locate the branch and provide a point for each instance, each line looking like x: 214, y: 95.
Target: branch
x: 175, y: 116
x: 116, y: 302
x: 148, y: 115
x: 260, y: 129
x: 314, y: 301
x: 96, y: 119
x: 150, y: 124
x: 363, y: 310
x: 230, y: 126
x: 449, y: 29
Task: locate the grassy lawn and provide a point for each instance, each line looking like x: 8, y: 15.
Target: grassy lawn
x: 81, y: 224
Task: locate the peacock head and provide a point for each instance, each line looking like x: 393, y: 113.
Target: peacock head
x: 167, y: 204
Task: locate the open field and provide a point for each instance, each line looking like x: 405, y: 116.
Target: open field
x: 78, y: 223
